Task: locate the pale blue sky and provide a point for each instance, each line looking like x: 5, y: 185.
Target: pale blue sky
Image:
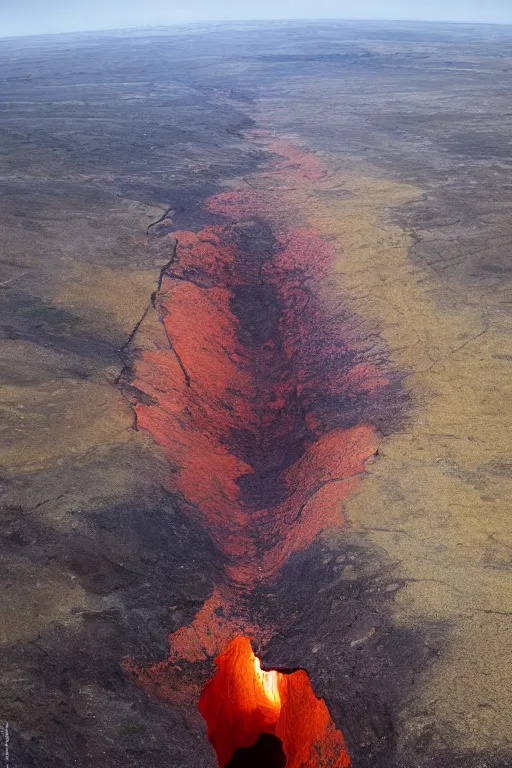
x: 19, y: 17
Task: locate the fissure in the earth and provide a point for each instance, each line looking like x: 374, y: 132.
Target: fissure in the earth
x: 267, y: 434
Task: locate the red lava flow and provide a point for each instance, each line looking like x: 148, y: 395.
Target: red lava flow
x: 258, y: 399
x: 250, y: 408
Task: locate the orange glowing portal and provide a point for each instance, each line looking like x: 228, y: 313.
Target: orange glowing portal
x: 242, y: 701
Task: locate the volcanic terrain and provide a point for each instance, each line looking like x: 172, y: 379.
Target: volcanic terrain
x: 255, y: 359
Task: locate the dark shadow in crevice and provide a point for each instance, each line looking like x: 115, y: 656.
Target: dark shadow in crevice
x: 266, y: 753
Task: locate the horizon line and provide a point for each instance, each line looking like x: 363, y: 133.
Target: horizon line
x: 314, y: 20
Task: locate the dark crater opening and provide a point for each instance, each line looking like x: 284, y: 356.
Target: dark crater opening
x: 266, y: 753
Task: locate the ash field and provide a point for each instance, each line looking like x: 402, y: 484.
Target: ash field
x: 255, y: 363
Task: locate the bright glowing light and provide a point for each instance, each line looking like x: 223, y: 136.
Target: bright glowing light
x: 269, y: 681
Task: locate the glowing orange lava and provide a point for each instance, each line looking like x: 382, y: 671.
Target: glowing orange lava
x: 242, y: 701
